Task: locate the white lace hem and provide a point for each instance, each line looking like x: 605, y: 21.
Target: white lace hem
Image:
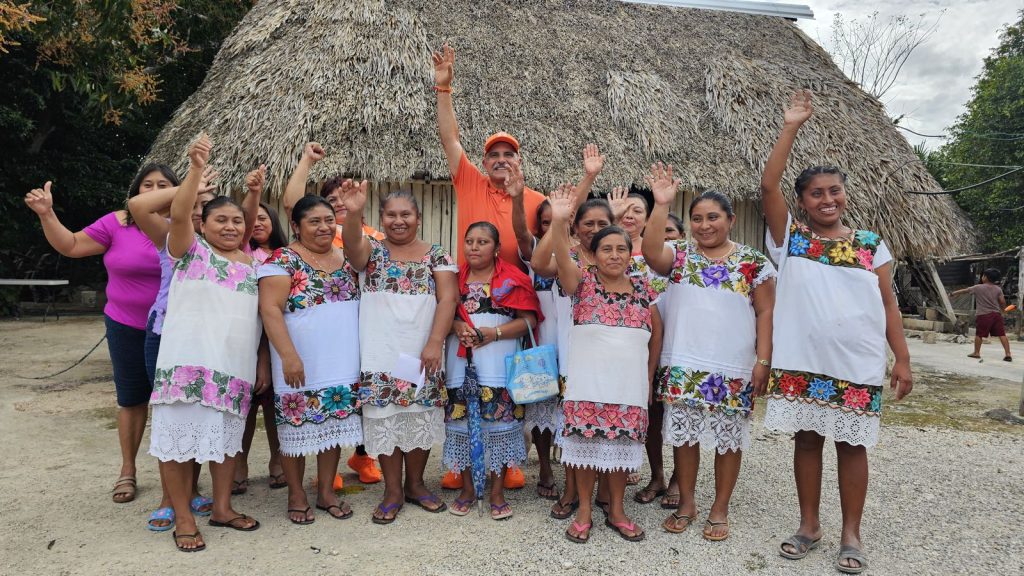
x: 185, y: 431
x: 785, y: 415
x: 502, y: 448
x: 545, y: 416
x: 601, y: 454
x: 686, y: 425
x: 405, y: 431
x: 313, y: 438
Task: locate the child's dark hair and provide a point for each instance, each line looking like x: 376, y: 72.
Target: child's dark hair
x: 590, y: 205
x: 398, y: 195
x: 805, y: 177
x: 487, y: 227
x: 307, y: 203
x: 606, y: 232
x: 717, y: 197
x: 540, y: 214
x: 276, y: 237
x: 993, y: 275
x: 677, y: 222
x: 146, y: 170
x: 219, y: 202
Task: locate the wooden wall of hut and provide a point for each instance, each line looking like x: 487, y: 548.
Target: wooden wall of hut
x: 437, y: 202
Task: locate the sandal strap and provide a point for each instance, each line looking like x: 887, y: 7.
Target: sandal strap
x: 125, y: 481
x: 850, y: 553
x: 798, y: 541
x: 713, y: 523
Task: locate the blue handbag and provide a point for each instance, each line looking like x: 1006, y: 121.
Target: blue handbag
x: 531, y: 375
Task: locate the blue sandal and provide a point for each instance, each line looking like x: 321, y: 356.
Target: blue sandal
x: 166, y: 513
x: 199, y: 503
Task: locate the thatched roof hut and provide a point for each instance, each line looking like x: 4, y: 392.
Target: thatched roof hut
x: 701, y: 89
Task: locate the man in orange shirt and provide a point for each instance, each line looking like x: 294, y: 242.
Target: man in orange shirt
x: 493, y: 194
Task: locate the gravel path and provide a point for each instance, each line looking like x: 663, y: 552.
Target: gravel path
x: 941, y: 501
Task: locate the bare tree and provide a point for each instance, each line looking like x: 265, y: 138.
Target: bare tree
x: 872, y: 52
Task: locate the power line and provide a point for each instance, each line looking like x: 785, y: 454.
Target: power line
x: 978, y: 185
x: 998, y: 136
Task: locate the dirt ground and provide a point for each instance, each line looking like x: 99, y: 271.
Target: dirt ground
x: 946, y: 491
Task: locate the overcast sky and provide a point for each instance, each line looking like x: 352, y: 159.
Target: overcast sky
x: 936, y: 82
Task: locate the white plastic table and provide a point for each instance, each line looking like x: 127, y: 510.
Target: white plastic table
x: 31, y: 282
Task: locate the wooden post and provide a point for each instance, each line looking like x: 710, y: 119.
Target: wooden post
x: 943, y: 296
x: 1020, y: 296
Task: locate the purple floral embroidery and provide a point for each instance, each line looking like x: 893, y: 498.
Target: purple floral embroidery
x: 198, y: 384
x: 336, y: 289
x: 713, y: 276
x: 714, y: 388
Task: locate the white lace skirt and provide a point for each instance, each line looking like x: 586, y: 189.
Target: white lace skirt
x: 312, y: 438
x: 784, y: 415
x: 546, y: 415
x: 185, y: 431
x: 405, y: 428
x: 620, y: 455
x: 688, y: 426
x: 504, y: 445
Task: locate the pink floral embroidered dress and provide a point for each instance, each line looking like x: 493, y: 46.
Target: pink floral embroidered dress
x: 829, y: 346
x: 322, y: 317
x: 605, y: 406
x: 207, y: 361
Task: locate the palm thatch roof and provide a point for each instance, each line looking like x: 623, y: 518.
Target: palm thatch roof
x: 701, y: 89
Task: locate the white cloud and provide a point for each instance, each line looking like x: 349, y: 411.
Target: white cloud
x: 936, y: 82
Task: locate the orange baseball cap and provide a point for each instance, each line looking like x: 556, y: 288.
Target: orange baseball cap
x: 501, y: 137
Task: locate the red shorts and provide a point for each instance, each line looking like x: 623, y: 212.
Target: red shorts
x: 990, y: 324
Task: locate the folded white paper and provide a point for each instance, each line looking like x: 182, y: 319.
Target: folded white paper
x: 408, y: 368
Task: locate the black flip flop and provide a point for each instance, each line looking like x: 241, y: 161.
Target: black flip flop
x: 550, y: 487
x: 275, y: 483
x: 333, y: 515
x: 572, y: 506
x: 305, y: 519
x: 194, y: 537
x: 228, y: 524
x: 428, y: 498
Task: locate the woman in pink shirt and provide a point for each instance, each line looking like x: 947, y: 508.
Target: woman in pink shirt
x: 133, y: 279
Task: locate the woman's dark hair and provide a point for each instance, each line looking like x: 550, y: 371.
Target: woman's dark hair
x: 276, y: 238
x: 219, y: 202
x: 487, y: 227
x: 677, y: 222
x: 717, y: 197
x: 993, y: 275
x: 330, y: 185
x: 606, y: 232
x: 590, y: 205
x: 540, y: 214
x: 398, y: 195
x: 805, y: 177
x: 307, y: 203
x: 146, y: 170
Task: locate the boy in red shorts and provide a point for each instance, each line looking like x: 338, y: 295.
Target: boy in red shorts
x: 989, y: 305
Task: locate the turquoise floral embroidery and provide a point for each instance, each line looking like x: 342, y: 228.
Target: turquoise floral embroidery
x: 826, y: 391
x: 202, y: 263
x: 316, y: 406
x: 858, y: 253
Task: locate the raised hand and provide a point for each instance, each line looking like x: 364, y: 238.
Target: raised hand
x: 562, y: 200
x: 39, y: 200
x: 206, y: 184
x: 255, y: 180
x: 444, y: 66
x: 593, y: 160
x: 514, y: 182
x: 353, y: 195
x: 199, y: 151
x: 617, y: 200
x: 800, y: 108
x: 314, y: 151
x: 662, y: 184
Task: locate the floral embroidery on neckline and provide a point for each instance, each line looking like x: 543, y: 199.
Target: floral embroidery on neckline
x: 202, y: 263
x: 858, y: 252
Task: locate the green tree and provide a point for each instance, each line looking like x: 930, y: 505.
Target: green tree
x: 991, y: 132
x: 84, y: 94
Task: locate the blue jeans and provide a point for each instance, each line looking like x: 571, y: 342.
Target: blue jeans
x: 128, y: 356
